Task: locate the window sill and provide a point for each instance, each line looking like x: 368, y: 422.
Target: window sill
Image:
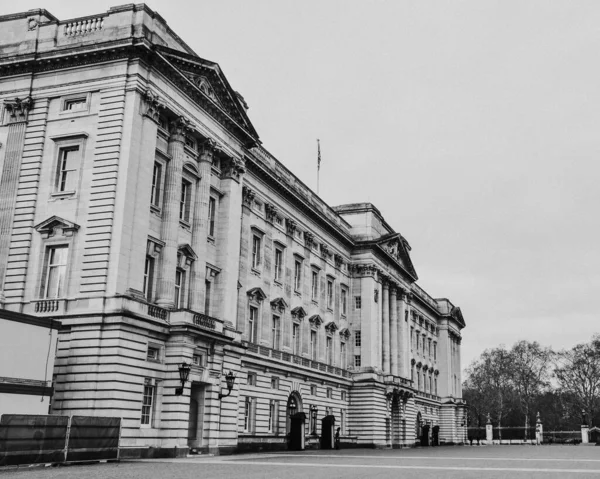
x: 156, y: 210
x: 278, y: 283
x: 62, y: 195
x: 255, y: 272
x: 184, y: 224
x: 329, y: 309
x: 315, y: 302
x: 210, y: 239
x: 155, y: 361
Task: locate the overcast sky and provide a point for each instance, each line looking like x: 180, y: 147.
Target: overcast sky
x: 472, y: 125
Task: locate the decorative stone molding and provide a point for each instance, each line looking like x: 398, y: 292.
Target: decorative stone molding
x: 419, y: 364
x: 290, y: 226
x: 256, y: 294
x: 298, y: 313
x: 207, y: 149
x: 413, y: 362
x: 338, y: 259
x: 309, y: 239
x: 324, y: 250
x: 315, y: 320
x: 279, y: 305
x: 248, y: 196
x: 425, y: 368
x: 345, y: 334
x: 233, y: 168
x: 179, y: 129
x: 270, y: 212
x: 154, y: 246
x: 185, y: 256
x: 18, y: 109
x: 376, y: 295
x: 153, y: 105
x: 32, y: 24
x: 56, y: 226
x: 331, y: 327
x: 360, y: 270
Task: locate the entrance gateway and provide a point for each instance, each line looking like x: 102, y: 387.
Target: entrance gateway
x: 295, y: 420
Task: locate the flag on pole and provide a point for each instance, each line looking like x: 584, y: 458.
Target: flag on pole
x: 319, y: 154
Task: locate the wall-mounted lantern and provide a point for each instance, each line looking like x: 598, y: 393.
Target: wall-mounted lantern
x: 184, y: 373
x: 230, y: 380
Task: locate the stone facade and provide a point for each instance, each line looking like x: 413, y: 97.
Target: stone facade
x: 138, y: 207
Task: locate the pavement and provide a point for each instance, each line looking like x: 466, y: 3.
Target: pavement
x: 462, y: 462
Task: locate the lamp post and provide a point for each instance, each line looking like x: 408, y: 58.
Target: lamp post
x: 230, y: 380
x: 184, y: 373
x: 313, y: 414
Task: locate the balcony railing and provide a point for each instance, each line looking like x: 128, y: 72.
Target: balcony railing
x: 294, y: 359
x: 158, y: 312
x: 47, y: 306
x: 204, y: 321
x: 427, y: 395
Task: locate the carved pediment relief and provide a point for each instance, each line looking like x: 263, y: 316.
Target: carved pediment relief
x: 279, y: 305
x: 56, y: 226
x: 331, y: 327
x: 315, y: 320
x: 185, y: 256
x: 398, y: 248
x: 345, y: 333
x: 256, y: 294
x: 298, y: 312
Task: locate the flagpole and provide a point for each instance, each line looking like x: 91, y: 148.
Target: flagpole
x: 318, y: 163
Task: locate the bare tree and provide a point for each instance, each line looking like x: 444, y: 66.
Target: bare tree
x: 529, y: 363
x: 578, y: 374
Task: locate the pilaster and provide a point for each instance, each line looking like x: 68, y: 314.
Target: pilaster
x: 385, y: 327
x: 393, y: 331
x: 170, y: 218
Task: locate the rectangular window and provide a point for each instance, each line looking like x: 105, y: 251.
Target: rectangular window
x: 249, y: 414
x: 148, y: 277
x: 423, y: 344
x: 274, y: 382
x: 357, y: 339
x: 435, y: 384
x: 343, y: 355
x: 207, y: 294
x: 69, y: 159
x: 296, y: 339
x: 251, y: 381
x: 315, y: 286
x: 252, y: 324
x: 357, y: 361
x: 179, y: 288
x: 276, y: 332
x: 329, y: 350
x: 435, y: 351
x: 198, y: 360
x: 344, y: 301
x: 75, y: 104
x: 156, y: 185
x: 313, y: 390
x: 297, y: 275
x: 343, y: 395
x: 185, y: 200
x: 278, y: 264
x: 55, y: 272
x: 212, y: 208
x: 357, y: 302
x: 153, y: 354
x: 342, y: 421
x: 148, y: 405
x: 329, y: 393
x: 256, y: 246
x: 330, y: 294
x: 273, y: 416
x: 429, y: 349
x: 313, y: 345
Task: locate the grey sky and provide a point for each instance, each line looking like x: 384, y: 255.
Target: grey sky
x: 472, y: 125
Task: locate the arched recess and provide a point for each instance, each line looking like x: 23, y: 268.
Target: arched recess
x: 294, y: 405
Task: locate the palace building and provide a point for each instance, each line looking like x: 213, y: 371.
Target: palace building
x: 207, y: 296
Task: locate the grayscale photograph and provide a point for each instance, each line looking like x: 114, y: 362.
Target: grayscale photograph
x: 291, y: 239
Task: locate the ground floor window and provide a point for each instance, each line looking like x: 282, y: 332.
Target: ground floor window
x: 249, y: 414
x: 148, y: 401
x: 274, y: 416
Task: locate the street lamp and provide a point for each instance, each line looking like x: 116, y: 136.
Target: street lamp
x: 184, y: 373
x: 313, y: 414
x: 293, y: 406
x: 230, y: 380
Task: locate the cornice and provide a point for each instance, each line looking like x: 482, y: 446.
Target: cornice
x: 256, y: 168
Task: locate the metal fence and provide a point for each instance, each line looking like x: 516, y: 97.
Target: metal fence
x: 31, y: 439
x: 562, y: 437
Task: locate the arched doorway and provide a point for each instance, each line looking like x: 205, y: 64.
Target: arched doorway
x: 419, y: 426
x: 295, y: 420
x: 396, y: 422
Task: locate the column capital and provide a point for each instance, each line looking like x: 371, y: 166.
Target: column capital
x: 153, y: 105
x: 18, y: 109
x: 179, y: 128
x: 248, y: 195
x: 290, y: 226
x: 208, y: 150
x: 233, y: 168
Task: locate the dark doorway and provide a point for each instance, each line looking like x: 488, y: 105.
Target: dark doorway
x: 435, y: 436
x: 396, y: 423
x: 296, y: 434
x: 425, y: 435
x: 328, y: 432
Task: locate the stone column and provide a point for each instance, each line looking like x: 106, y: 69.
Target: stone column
x: 385, y: 336
x: 393, y: 331
x: 489, y: 432
x: 200, y: 228
x: 403, y: 360
x: 18, y: 111
x: 170, y: 216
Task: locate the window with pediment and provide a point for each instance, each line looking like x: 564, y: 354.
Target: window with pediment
x: 256, y: 296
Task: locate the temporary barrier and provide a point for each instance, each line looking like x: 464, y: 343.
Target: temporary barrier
x: 28, y: 439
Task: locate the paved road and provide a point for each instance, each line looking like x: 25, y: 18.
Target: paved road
x: 515, y: 462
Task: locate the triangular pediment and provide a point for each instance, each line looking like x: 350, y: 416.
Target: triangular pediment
x: 345, y: 333
x: 187, y: 251
x: 298, y: 312
x: 209, y: 86
x: 279, y: 304
x: 256, y: 294
x: 456, y: 314
x: 398, y: 249
x: 316, y: 320
x: 331, y: 327
x: 56, y: 225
